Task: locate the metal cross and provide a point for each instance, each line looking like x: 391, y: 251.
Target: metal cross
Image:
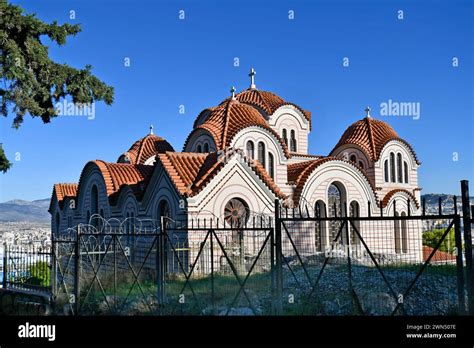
x: 252, y: 78
x: 367, y: 111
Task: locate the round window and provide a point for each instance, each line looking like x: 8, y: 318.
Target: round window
x: 236, y: 213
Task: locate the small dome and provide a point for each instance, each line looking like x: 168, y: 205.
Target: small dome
x: 144, y: 149
x: 371, y: 136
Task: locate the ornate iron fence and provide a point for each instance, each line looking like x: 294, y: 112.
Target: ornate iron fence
x: 321, y: 261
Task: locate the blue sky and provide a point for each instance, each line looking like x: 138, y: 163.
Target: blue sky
x: 190, y: 62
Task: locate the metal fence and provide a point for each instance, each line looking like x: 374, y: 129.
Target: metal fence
x: 297, y: 262
x: 26, y: 268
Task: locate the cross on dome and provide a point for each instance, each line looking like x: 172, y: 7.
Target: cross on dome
x: 367, y: 112
x: 252, y: 78
x: 232, y: 91
x: 151, y: 129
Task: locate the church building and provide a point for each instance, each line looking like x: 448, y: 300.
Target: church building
x: 242, y: 155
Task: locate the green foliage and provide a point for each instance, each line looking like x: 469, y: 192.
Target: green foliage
x: 4, y: 162
x: 39, y: 274
x: 431, y: 239
x: 31, y: 82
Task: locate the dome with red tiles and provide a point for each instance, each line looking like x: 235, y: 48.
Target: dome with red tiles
x: 371, y: 136
x: 266, y: 101
x: 223, y: 122
x: 144, y: 149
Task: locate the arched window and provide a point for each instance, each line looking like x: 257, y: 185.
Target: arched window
x: 385, y: 170
x: 334, y: 209
x: 354, y: 211
x: 319, y: 212
x: 399, y: 168
x: 164, y: 213
x: 361, y: 164
x: 250, y: 149
x: 405, y: 171
x: 293, y: 147
x: 392, y: 167
x: 397, y: 235
x: 206, y: 148
x: 285, y: 137
x: 261, y: 153
x: 57, y: 223
x: 69, y: 221
x: 404, y: 234
x: 353, y: 158
x: 95, y: 206
x: 100, y: 222
x: 127, y: 224
x: 94, y: 200
x: 271, y: 166
x: 199, y: 148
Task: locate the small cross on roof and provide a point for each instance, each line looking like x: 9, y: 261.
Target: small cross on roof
x: 367, y: 111
x: 252, y: 78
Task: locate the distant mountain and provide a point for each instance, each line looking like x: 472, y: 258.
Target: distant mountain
x: 18, y: 210
x: 433, y: 198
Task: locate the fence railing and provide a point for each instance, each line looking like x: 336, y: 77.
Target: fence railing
x: 26, y: 268
x: 296, y: 262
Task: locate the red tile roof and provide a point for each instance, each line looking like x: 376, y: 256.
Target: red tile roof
x: 371, y: 136
x: 267, y: 101
x: 116, y: 175
x: 298, y: 174
x: 438, y: 256
x: 119, y: 175
x: 145, y: 148
x: 191, y: 172
x: 391, y: 193
x: 223, y: 122
x: 62, y: 191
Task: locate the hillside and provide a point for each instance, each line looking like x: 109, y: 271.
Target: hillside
x: 18, y: 210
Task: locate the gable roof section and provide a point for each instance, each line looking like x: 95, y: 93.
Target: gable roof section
x: 118, y: 175
x: 191, y: 172
x: 298, y: 174
x: 61, y: 191
x: 371, y: 136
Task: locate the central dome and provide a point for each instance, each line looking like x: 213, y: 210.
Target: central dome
x: 223, y: 122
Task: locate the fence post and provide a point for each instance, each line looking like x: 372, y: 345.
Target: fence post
x: 77, y: 267
x: 466, y: 213
x: 5, y: 265
x: 160, y: 263
x: 54, y: 271
x: 211, y: 232
x: 459, y: 265
x: 278, y: 266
